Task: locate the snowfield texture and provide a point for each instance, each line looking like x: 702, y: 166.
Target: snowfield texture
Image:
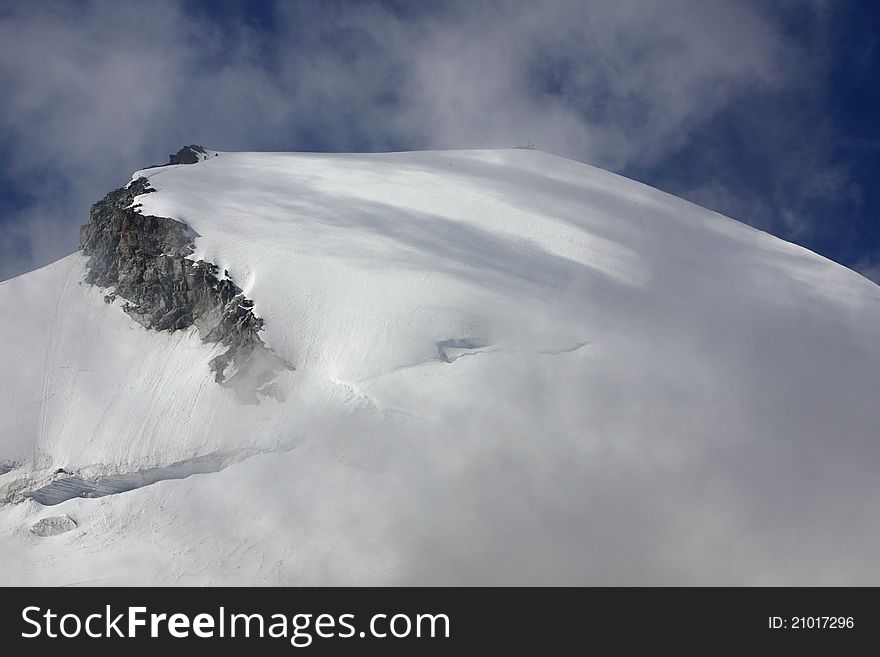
x: 511, y: 368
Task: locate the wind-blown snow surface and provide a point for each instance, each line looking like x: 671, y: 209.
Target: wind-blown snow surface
x: 510, y: 368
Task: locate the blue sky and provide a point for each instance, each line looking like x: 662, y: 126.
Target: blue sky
x: 764, y: 111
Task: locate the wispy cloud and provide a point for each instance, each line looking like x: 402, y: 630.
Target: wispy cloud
x: 98, y: 89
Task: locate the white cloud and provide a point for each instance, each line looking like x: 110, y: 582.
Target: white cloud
x: 99, y: 89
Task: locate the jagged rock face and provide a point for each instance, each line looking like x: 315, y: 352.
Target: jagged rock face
x: 191, y: 154
x: 144, y: 258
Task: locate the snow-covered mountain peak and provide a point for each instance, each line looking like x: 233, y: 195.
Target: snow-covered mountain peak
x: 501, y: 366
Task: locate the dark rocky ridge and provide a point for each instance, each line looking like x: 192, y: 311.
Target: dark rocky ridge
x: 191, y: 154
x: 144, y: 258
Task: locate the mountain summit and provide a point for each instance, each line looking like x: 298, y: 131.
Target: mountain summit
x: 449, y: 367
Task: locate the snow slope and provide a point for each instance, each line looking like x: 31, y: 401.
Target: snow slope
x: 510, y: 368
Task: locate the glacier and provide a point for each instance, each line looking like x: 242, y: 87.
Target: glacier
x: 508, y: 368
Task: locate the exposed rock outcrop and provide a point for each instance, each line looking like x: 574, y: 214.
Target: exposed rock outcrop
x: 53, y: 526
x: 144, y: 258
x: 191, y: 154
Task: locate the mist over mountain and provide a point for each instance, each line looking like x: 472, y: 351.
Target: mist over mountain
x: 437, y: 367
